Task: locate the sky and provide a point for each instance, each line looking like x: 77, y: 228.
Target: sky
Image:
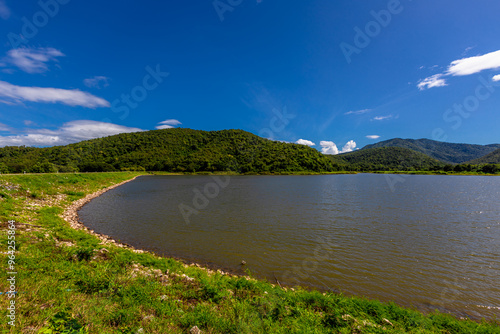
x: 333, y: 75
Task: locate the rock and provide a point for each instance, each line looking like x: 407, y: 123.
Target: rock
x: 387, y: 322
x: 195, y: 330
x: 187, y: 277
x: 243, y: 262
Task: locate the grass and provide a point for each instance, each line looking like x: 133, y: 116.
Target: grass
x: 70, y: 282
x: 439, y: 172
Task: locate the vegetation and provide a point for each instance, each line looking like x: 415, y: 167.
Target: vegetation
x: 385, y: 159
x: 448, y: 153
x: 171, y: 150
x: 69, y: 281
x: 492, y: 158
x: 397, y: 159
x: 240, y: 152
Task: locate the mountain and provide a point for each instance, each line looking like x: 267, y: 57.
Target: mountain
x: 175, y: 150
x: 385, y: 158
x: 492, y: 158
x: 186, y: 150
x: 445, y: 152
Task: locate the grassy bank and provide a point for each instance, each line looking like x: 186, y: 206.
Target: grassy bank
x: 69, y: 281
x: 422, y: 172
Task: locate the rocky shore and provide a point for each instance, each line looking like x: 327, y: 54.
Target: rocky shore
x: 71, y: 216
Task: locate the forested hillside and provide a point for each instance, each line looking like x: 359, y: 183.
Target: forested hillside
x: 450, y: 153
x: 385, y: 158
x: 186, y: 150
x: 492, y: 158
x: 174, y: 150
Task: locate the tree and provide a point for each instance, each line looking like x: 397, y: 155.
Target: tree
x: 3, y: 168
x: 490, y: 169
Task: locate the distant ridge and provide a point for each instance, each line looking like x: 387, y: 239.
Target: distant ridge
x: 446, y: 152
x: 386, y: 158
x: 492, y: 158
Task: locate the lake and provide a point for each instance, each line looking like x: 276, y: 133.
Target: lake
x: 427, y: 241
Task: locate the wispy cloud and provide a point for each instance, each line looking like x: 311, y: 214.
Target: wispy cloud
x: 70, y: 132
x: 72, y: 97
x: 168, y: 124
x: 381, y: 118
x: 467, y: 50
x: 462, y: 67
x: 358, y: 112
x: 472, y: 65
x: 330, y: 148
x: 32, y: 60
x: 305, y: 142
x: 97, y: 82
x: 4, y: 127
x: 373, y: 136
x: 433, y: 81
x: 496, y: 77
x: 4, y: 10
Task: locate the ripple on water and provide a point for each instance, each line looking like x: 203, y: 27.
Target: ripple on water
x: 433, y: 243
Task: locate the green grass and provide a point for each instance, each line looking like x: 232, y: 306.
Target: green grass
x: 71, y: 283
x: 439, y: 172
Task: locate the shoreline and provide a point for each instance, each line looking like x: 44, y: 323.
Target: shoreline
x: 70, y: 215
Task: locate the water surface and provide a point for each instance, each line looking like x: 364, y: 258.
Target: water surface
x: 428, y: 241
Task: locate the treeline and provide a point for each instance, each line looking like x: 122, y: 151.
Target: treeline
x: 189, y: 151
x: 401, y: 159
x: 172, y: 150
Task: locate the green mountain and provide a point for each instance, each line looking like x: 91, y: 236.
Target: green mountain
x: 445, y: 152
x: 175, y: 150
x: 186, y: 150
x: 492, y: 158
x: 385, y: 158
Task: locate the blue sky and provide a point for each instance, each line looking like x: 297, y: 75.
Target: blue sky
x: 336, y: 74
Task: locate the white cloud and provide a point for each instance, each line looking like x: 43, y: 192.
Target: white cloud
x: 433, y: 81
x: 161, y: 127
x: 496, y: 77
x: 472, y: 65
x: 4, y: 10
x: 358, y: 112
x: 71, y: 132
x: 462, y: 67
x: 168, y: 124
x: 381, y: 118
x: 305, y: 142
x: 373, y: 136
x: 171, y: 122
x: 330, y: 148
x: 72, y: 97
x: 32, y: 60
x: 349, y: 147
x: 97, y: 82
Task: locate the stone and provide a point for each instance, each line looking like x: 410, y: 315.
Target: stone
x: 195, y: 330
